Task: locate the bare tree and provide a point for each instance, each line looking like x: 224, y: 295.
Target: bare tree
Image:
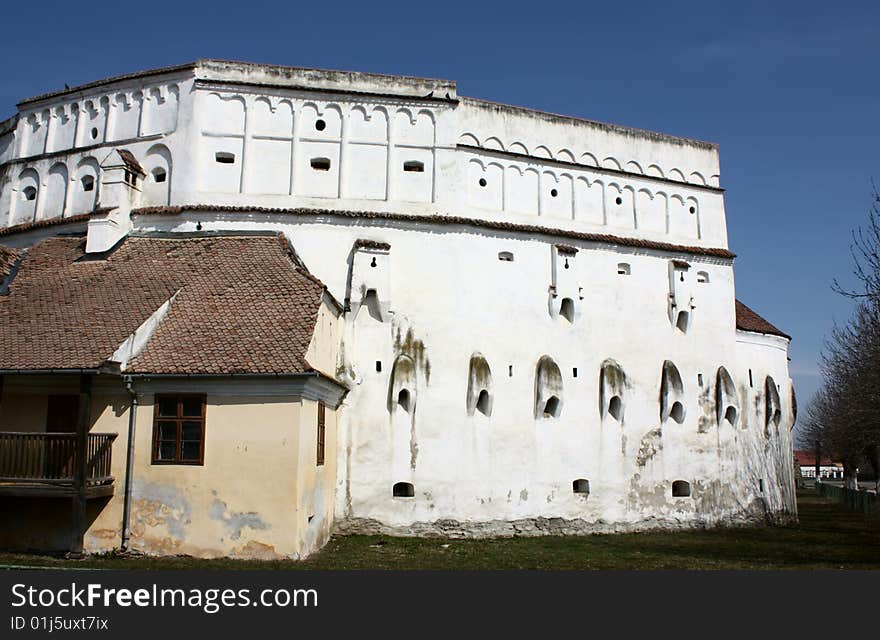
x: 865, y: 251
x: 844, y: 415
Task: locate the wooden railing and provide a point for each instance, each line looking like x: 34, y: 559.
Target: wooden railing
x: 50, y: 458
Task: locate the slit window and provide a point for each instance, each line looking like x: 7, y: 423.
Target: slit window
x: 681, y: 489
x: 322, y: 422
x: 29, y: 193
x: 581, y: 486
x: 378, y: 366
x: 414, y: 166
x: 88, y: 183
x: 224, y: 157
x: 403, y: 490
x: 159, y: 175
x: 751, y: 381
x: 320, y: 164
x: 179, y: 429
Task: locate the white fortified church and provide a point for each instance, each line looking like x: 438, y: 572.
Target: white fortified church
x: 243, y: 307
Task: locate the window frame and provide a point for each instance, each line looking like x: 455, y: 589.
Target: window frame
x: 321, y: 439
x: 179, y: 419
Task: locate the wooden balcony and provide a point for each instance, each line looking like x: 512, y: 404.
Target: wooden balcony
x: 44, y: 464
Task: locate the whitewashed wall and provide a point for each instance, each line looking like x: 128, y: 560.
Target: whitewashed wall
x: 59, y: 145
x: 270, y: 146
x: 449, y: 297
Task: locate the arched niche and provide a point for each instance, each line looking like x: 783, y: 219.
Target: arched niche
x: 479, y: 391
x: 772, y: 405
x: 612, y: 384
x: 157, y: 184
x: 26, y: 196
x: 85, y: 186
x: 402, y: 385
x: 54, y: 203
x: 548, y: 389
x: 671, y: 394
x: 726, y: 400
x: 225, y: 114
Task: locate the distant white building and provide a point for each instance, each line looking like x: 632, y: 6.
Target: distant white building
x: 539, y: 326
x: 828, y: 469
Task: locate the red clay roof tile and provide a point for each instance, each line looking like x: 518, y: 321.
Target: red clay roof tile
x: 808, y: 459
x: 8, y: 258
x: 748, y: 320
x: 41, y: 224
x: 243, y: 306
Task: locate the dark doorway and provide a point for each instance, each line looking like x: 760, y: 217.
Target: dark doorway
x: 62, y: 413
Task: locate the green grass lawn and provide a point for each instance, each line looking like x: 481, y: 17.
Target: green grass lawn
x: 829, y: 536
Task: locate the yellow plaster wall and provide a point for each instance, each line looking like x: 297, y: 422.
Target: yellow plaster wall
x: 241, y: 502
x: 253, y: 496
x: 324, y: 347
x: 45, y: 523
x: 316, y: 485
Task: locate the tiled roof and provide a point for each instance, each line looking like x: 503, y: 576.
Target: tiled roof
x: 243, y: 306
x: 42, y: 224
x: 498, y: 225
x: 372, y: 244
x: 8, y: 257
x: 748, y: 320
x: 130, y: 161
x: 808, y: 459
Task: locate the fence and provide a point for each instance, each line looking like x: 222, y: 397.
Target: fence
x: 863, y: 501
x: 48, y: 458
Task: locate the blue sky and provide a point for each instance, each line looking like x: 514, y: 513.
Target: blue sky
x: 790, y: 91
